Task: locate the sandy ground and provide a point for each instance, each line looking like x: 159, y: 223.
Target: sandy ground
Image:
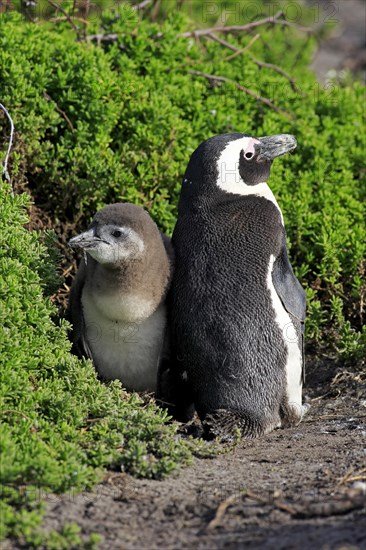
x: 295, y: 488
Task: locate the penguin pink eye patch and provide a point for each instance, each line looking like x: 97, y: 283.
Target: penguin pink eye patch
x: 249, y: 150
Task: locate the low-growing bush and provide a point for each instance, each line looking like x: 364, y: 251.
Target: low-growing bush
x: 117, y: 121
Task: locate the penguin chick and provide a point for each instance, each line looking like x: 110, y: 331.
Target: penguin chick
x: 117, y: 301
x: 236, y: 309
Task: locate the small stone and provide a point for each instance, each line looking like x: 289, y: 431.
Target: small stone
x: 360, y: 486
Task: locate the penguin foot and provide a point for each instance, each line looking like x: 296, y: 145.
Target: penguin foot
x: 192, y: 428
x: 228, y: 426
x: 292, y: 414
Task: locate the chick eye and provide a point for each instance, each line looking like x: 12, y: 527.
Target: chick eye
x: 116, y: 233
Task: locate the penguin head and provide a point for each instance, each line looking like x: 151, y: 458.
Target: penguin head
x: 235, y: 163
x: 116, y: 234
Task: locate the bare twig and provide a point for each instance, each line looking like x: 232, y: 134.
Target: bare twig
x: 6, y: 159
x: 353, y: 476
x: 264, y: 100
x: 308, y: 30
x: 67, y: 15
x: 339, y: 505
x: 329, y: 417
x: 238, y: 52
x: 346, y: 376
x: 223, y: 42
x: 322, y: 396
x: 343, y: 504
x: 271, y: 20
x: 141, y: 5
x: 156, y: 10
x: 73, y: 17
x: 220, y: 511
x: 273, y: 502
x: 232, y: 499
x: 279, y: 71
x: 234, y: 28
x: 60, y: 111
x: 83, y: 7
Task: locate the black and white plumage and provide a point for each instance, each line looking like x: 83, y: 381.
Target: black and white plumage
x: 117, y: 301
x: 237, y: 310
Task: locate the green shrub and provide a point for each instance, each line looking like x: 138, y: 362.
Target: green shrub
x: 101, y: 123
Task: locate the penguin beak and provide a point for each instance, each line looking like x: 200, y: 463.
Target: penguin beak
x: 275, y: 146
x: 85, y: 240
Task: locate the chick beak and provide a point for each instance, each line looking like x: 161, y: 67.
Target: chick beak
x: 85, y: 240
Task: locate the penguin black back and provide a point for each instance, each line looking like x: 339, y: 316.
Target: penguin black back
x: 229, y: 349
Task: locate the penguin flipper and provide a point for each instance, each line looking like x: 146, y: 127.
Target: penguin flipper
x: 291, y: 293
x: 80, y: 345
x: 288, y: 288
x: 169, y: 250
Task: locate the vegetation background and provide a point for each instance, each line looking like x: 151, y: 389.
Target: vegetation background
x: 108, y: 103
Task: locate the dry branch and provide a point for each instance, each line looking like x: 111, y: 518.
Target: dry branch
x: 278, y: 70
x: 67, y: 15
x: 232, y: 499
x: 60, y: 111
x: 210, y: 32
x: 223, y: 42
x: 243, y: 50
x: 73, y: 17
x: 220, y: 511
x: 271, y: 20
x: 238, y: 51
x: 351, y: 475
x: 141, y: 5
x: 234, y: 28
x: 262, y: 99
x: 6, y: 159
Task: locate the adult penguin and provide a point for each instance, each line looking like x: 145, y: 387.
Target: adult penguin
x: 237, y: 310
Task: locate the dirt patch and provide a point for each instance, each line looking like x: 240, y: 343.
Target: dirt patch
x: 294, y: 488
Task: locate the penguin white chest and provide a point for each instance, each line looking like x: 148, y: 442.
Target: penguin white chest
x: 126, y: 348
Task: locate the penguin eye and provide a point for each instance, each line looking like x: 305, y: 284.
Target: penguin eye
x: 117, y: 233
